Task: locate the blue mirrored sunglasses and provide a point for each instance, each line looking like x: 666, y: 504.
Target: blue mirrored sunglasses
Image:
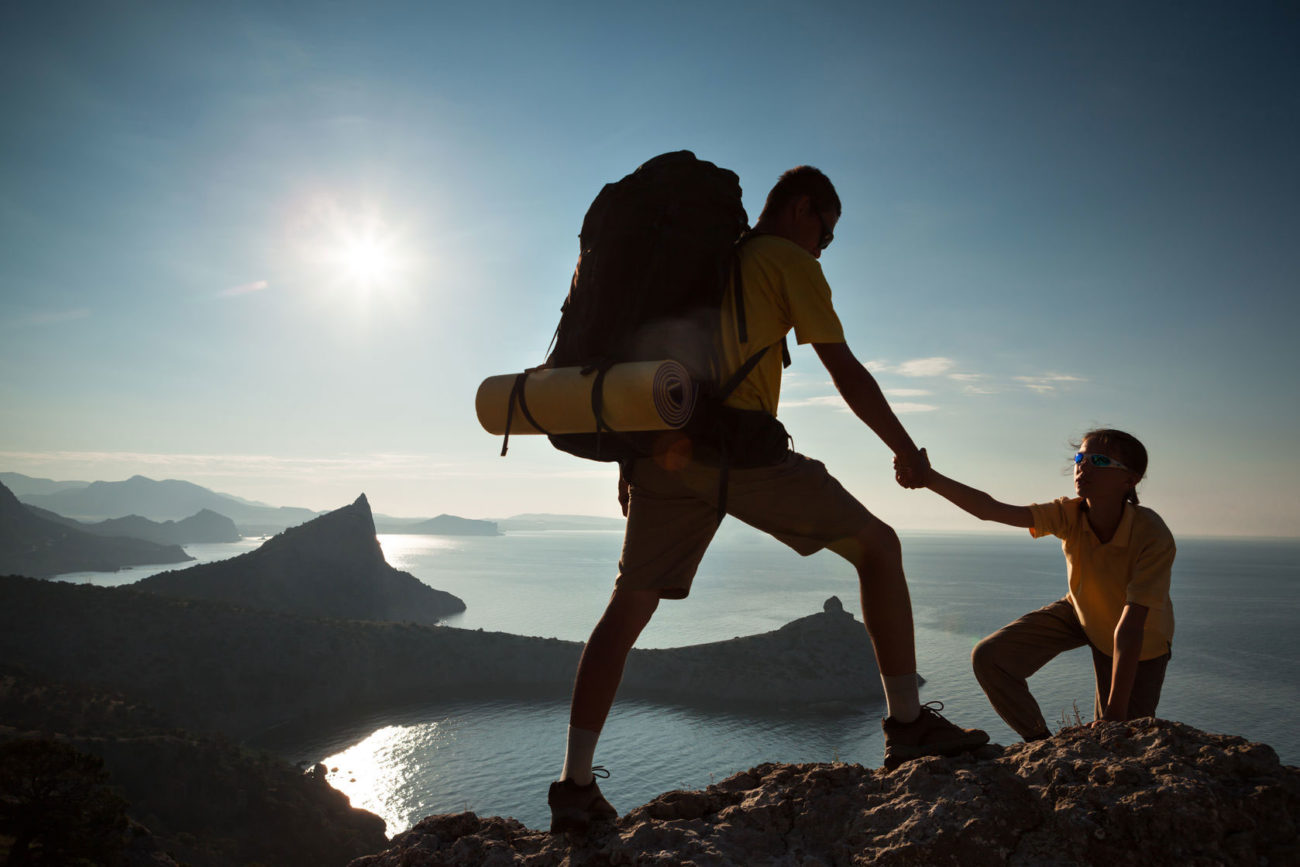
x: 1099, y: 460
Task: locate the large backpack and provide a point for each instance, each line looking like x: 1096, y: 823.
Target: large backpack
x: 657, y: 251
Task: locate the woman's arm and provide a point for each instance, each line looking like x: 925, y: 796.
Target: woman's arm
x: 978, y: 503
x: 1128, y: 647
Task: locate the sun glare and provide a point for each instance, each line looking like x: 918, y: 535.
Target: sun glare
x: 367, y: 260
x: 353, y: 250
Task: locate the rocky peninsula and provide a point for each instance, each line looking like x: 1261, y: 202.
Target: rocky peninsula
x: 217, y: 667
x: 331, y: 566
x: 1149, y: 792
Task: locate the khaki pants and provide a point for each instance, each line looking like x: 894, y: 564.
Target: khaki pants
x: 1005, y: 660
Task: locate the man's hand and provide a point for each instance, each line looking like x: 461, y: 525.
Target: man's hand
x: 624, y: 495
x: 911, y: 471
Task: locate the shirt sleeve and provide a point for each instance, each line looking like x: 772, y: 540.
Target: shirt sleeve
x: 1149, y: 582
x: 809, y: 298
x: 1050, y: 519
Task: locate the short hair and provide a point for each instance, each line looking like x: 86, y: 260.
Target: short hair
x: 1126, y: 447
x: 802, y: 181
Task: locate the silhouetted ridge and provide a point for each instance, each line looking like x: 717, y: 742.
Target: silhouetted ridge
x: 331, y: 566
x: 204, y: 526
x: 166, y: 500
x: 40, y: 547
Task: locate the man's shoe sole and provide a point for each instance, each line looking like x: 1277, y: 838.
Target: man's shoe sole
x: 896, y: 755
x: 574, y: 822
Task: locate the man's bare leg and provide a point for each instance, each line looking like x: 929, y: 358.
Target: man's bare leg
x: 600, y: 670
x: 886, y: 604
x: 910, y: 730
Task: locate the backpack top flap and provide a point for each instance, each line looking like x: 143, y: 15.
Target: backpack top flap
x: 656, y: 253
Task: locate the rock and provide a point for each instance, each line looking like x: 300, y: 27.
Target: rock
x: 331, y: 566
x: 1140, y: 793
x: 451, y: 525
x: 833, y: 606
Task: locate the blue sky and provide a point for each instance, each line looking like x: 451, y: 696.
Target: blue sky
x: 273, y: 248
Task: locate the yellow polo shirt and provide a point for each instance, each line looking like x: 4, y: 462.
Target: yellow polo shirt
x: 784, y: 289
x: 1134, y: 566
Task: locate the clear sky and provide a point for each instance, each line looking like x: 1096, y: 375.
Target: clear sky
x: 273, y: 248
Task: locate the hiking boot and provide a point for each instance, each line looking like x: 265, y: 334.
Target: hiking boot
x: 928, y: 735
x: 574, y: 808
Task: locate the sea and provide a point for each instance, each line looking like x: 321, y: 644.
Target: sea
x: 1235, y: 666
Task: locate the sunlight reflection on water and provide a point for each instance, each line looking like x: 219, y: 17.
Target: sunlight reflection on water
x: 403, y: 550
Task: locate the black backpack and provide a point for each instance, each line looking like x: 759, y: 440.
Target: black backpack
x: 657, y: 251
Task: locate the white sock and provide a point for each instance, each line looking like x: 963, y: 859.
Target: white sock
x: 578, y: 755
x: 902, y: 697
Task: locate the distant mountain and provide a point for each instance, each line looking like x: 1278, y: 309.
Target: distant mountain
x: 450, y: 525
x: 168, y: 500
x: 329, y: 567
x: 542, y: 521
x: 38, y: 547
x: 205, y: 526
x: 22, y: 485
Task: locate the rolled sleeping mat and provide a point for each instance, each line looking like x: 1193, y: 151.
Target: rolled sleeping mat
x: 635, y: 396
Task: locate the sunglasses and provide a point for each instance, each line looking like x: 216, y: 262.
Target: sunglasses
x: 1099, y: 460
x: 827, y: 234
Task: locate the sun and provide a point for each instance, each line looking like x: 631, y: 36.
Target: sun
x: 367, y: 260
x: 352, y: 249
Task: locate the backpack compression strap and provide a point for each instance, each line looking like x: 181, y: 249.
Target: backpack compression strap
x: 598, y: 401
x: 517, y: 396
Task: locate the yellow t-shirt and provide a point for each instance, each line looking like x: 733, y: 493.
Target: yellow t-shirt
x: 784, y: 289
x: 1134, y: 566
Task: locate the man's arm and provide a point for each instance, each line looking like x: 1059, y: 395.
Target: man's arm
x: 863, y: 395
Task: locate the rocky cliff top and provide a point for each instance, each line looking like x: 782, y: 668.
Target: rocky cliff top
x: 1146, y: 792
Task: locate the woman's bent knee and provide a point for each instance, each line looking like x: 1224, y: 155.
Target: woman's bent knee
x: 984, y: 656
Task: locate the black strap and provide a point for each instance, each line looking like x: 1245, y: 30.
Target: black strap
x: 517, y: 396
x: 738, y: 296
x: 724, y: 459
x: 598, y: 401
x: 738, y: 291
x: 733, y: 382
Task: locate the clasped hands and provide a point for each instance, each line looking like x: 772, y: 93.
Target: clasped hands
x: 911, y: 472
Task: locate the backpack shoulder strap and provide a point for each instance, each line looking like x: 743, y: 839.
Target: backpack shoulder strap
x: 742, y: 326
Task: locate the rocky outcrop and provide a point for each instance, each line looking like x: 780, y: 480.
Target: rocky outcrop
x: 1141, y: 793
x: 213, y: 667
x: 329, y: 567
x: 39, y: 547
x: 823, y: 661
x: 450, y: 525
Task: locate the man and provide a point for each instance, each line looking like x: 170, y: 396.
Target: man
x: 671, y: 501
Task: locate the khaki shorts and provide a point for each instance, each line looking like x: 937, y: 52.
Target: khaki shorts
x: 672, y: 516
